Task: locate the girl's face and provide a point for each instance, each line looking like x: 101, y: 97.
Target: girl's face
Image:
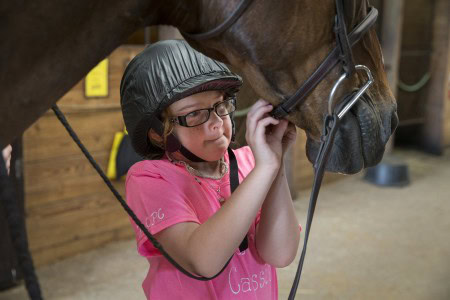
x: 209, y: 140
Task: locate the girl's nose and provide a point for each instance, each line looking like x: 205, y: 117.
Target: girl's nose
x: 215, y: 119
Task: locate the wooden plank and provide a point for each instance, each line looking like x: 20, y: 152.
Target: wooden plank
x: 433, y: 137
x: 39, y: 147
x: 84, y: 124
x: 67, y: 249
x: 48, y: 182
x: 40, y: 196
x: 391, y: 33
x: 447, y: 110
x: 75, y: 219
x: 47, y: 173
x: 447, y: 101
x: 391, y: 39
x: 50, y: 149
x: 414, y: 64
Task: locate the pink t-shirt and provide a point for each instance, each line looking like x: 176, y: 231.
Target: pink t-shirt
x: 163, y: 194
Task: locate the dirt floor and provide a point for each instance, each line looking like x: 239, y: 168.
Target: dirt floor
x: 366, y: 243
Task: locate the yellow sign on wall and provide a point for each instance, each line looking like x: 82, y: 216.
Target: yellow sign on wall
x: 96, y: 82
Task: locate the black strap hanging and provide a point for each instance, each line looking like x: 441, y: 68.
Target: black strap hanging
x: 234, y: 182
x: 16, y: 224
x: 329, y: 131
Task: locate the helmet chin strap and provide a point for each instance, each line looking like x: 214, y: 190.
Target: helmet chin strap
x: 174, y: 145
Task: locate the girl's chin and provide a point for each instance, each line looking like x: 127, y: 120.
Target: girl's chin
x: 216, y: 152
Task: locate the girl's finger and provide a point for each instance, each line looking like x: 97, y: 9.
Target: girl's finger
x: 256, y: 117
x: 280, y: 130
x: 256, y: 106
x: 263, y: 124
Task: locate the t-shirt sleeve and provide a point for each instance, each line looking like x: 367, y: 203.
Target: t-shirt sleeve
x: 246, y: 161
x: 158, y: 204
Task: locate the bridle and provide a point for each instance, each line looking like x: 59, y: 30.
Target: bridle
x: 341, y: 53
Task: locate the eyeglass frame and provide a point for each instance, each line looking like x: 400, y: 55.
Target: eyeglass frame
x: 181, y: 120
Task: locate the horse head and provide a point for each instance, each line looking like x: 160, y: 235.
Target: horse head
x: 278, y: 45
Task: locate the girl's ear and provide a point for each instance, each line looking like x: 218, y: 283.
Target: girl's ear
x: 154, y: 137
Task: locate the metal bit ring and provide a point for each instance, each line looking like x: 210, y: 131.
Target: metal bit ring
x: 355, y: 97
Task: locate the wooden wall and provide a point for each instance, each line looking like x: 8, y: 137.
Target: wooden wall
x: 436, y: 132
x: 425, y: 114
x: 447, y: 108
x: 414, y: 64
x: 69, y: 209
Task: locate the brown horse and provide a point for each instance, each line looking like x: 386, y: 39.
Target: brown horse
x: 48, y: 46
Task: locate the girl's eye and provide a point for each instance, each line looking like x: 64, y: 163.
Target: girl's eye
x: 222, y: 109
x: 193, y: 114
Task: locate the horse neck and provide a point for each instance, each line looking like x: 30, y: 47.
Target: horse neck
x: 193, y: 16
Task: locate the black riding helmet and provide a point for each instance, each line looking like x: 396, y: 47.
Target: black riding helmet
x: 161, y: 74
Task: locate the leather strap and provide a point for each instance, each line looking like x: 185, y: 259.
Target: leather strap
x: 342, y: 42
x: 237, y: 13
x: 331, y: 125
x: 324, y: 68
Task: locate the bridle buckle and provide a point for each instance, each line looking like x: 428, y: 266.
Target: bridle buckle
x: 355, y: 97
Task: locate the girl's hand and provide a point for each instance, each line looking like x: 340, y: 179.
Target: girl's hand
x: 268, y: 137
x: 289, y: 137
x: 7, y: 156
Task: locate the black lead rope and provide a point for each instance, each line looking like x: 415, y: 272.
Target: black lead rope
x: 17, y: 230
x: 329, y: 131
x: 234, y: 182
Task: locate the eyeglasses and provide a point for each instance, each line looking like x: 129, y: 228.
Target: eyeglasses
x: 198, y: 117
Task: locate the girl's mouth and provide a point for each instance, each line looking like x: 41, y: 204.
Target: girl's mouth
x: 213, y: 140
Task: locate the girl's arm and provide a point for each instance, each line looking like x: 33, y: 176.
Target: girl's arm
x: 278, y: 231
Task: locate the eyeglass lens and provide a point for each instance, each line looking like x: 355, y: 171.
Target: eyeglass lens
x: 201, y: 116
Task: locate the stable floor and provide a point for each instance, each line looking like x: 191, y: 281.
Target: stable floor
x: 366, y: 242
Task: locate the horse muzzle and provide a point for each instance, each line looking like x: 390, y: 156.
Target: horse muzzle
x: 361, y: 138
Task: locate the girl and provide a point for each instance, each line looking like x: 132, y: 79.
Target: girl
x: 178, y: 108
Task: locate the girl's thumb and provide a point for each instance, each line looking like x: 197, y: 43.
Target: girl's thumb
x: 280, y: 129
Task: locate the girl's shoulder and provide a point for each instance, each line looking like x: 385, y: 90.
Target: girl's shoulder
x: 245, y: 159
x: 244, y: 155
x: 147, y: 165
x: 155, y: 169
